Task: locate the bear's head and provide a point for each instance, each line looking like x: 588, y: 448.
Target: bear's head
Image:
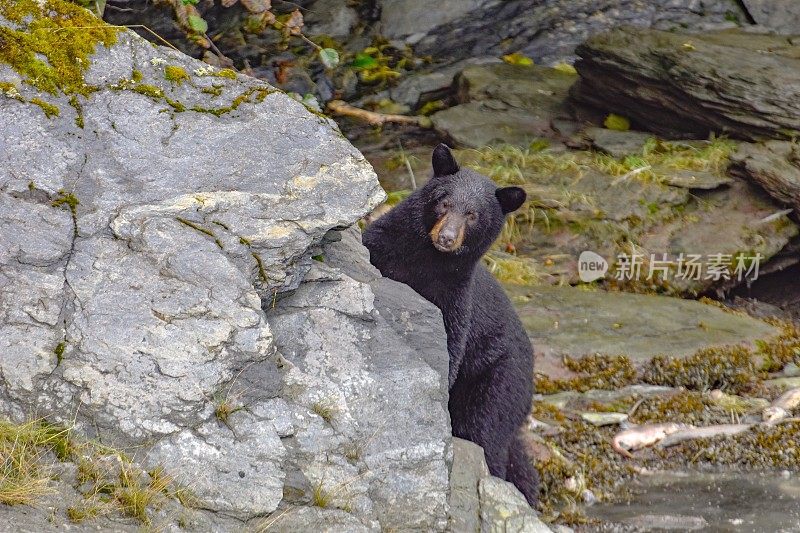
x: 464, y: 211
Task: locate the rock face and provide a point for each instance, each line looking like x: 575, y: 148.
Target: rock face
x: 482, y: 503
x: 502, y: 103
x: 774, y: 165
x: 741, y: 84
x: 354, y: 349
x: 142, y: 229
x: 450, y: 32
x: 546, y: 30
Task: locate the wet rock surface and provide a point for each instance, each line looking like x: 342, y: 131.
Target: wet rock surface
x: 568, y: 321
x: 546, y: 31
x: 707, y: 502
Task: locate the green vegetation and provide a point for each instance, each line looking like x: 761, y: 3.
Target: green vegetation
x: 107, y: 479
x: 510, y: 268
x: 778, y: 352
x: 320, y: 497
x: 64, y: 34
x: 59, y: 352
x: 579, y: 457
x: 762, y: 448
x: 225, y: 73
x: 50, y: 110
x: 24, y: 475
x: 176, y: 75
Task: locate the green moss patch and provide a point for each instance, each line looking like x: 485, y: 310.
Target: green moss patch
x: 51, y: 49
x: 176, y: 75
x: 50, y: 110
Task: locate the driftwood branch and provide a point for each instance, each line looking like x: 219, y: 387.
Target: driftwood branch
x: 339, y: 107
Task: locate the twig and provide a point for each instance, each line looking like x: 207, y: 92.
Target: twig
x: 371, y: 117
x: 126, y: 26
x: 408, y: 166
x: 635, y: 407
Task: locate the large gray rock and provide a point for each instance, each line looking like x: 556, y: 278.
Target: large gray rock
x: 733, y: 82
x: 355, y: 344
x: 782, y: 16
x: 141, y: 229
x: 568, y: 321
x: 504, y: 509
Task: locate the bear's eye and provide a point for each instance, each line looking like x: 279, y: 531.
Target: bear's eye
x: 446, y: 204
x: 472, y: 217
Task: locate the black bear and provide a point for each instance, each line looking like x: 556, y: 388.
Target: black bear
x: 433, y: 242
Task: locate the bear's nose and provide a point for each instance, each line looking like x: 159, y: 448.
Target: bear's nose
x: 446, y: 239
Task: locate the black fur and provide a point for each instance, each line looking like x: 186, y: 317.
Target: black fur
x: 491, y: 360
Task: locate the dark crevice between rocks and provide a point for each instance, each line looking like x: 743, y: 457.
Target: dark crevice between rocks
x: 745, y: 11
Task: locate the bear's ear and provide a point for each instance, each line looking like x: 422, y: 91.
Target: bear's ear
x: 444, y: 164
x: 510, y: 198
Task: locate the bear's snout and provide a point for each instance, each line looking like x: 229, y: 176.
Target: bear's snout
x: 447, y: 234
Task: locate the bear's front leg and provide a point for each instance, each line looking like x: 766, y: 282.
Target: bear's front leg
x: 488, y: 410
x: 457, y: 315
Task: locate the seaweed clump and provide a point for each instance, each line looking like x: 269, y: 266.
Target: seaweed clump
x: 762, y: 448
x: 580, y: 459
x: 728, y: 368
x: 688, y: 407
x: 781, y: 350
x: 597, y: 371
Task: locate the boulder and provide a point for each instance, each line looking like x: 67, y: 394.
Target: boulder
x: 781, y: 16
x: 173, y: 280
x: 501, y: 103
x: 741, y: 84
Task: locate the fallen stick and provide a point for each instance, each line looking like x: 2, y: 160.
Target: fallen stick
x: 371, y: 117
